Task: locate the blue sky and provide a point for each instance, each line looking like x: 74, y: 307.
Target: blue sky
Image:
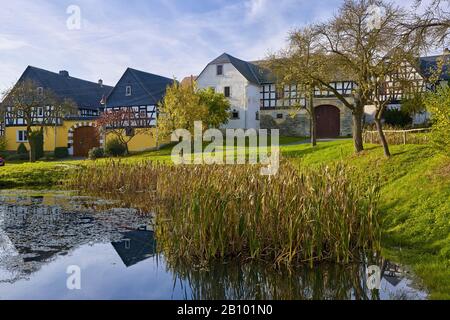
x: 174, y: 38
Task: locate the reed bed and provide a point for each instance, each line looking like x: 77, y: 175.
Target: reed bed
x: 205, y: 213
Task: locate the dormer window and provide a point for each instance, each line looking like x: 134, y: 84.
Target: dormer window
x: 40, y: 91
x: 220, y: 70
x: 128, y: 91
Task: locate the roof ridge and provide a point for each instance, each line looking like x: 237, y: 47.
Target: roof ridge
x: 70, y: 77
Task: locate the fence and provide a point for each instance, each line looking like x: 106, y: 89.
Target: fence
x: 413, y: 136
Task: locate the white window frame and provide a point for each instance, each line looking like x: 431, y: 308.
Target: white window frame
x: 128, y: 91
x: 24, y: 136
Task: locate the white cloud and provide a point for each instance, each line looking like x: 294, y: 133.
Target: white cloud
x: 7, y: 43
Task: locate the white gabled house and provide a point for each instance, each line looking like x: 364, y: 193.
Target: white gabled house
x: 240, y: 82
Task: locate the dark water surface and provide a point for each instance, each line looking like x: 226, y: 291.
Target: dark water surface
x: 44, y: 234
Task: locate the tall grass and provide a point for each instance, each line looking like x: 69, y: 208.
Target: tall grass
x: 220, y: 212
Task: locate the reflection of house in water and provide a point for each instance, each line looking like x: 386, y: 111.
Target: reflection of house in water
x: 136, y: 246
x: 33, y: 233
x: 392, y: 273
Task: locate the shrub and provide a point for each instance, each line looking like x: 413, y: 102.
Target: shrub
x: 397, y: 118
x: 22, y: 152
x: 96, y: 153
x: 115, y: 148
x: 438, y: 104
x: 61, y: 153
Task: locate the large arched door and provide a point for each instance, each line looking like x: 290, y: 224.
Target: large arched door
x: 84, y: 139
x: 328, y: 122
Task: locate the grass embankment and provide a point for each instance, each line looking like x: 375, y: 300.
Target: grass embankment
x: 415, y: 204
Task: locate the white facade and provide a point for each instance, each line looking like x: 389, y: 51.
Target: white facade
x: 244, y: 96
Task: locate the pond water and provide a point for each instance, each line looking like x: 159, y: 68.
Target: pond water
x: 44, y: 235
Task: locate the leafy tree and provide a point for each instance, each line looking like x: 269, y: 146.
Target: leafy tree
x: 23, y: 100
x: 438, y: 104
x: 218, y: 107
x: 184, y: 105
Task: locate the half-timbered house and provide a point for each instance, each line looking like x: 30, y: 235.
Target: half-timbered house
x: 74, y: 131
x: 258, y: 101
x: 137, y: 94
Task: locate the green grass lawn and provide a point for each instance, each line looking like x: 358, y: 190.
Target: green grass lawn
x: 415, y: 199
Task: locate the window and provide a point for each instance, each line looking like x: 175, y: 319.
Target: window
x: 40, y: 112
x: 235, y: 115
x: 227, y: 92
x: 257, y: 116
x: 220, y: 70
x: 22, y: 136
x: 40, y: 91
x: 279, y: 116
x: 128, y: 91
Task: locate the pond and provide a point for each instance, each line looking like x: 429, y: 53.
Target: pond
x: 48, y: 239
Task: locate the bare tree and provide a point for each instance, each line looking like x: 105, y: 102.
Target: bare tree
x: 300, y: 65
x: 37, y: 107
x: 433, y: 25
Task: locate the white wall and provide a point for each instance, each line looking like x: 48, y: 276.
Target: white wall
x: 243, y: 94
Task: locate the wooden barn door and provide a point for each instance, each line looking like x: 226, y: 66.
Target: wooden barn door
x: 328, y: 122
x: 84, y: 139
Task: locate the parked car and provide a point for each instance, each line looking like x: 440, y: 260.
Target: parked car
x: 2, y: 162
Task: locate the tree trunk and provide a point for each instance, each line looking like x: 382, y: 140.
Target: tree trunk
x: 32, y: 144
x: 312, y: 113
x: 358, y: 130
x: 383, y: 140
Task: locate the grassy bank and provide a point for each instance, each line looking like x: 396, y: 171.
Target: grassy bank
x: 415, y: 204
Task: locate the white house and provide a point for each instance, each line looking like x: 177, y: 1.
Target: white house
x: 240, y: 82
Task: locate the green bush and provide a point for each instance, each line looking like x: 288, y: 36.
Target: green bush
x: 438, y: 104
x: 61, y: 153
x: 22, y: 152
x: 397, y: 118
x: 115, y: 148
x: 96, y: 153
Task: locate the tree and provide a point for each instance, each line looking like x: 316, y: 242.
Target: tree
x: 438, y: 104
x: 184, y: 105
x: 433, y: 25
x: 367, y: 39
x: 24, y: 100
x: 301, y: 64
x: 124, y: 125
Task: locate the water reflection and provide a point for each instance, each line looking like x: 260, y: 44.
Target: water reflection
x: 115, y: 247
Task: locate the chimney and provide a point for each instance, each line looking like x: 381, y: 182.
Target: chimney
x: 100, y: 82
x: 64, y: 73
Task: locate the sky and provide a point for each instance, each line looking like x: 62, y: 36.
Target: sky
x: 173, y: 38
